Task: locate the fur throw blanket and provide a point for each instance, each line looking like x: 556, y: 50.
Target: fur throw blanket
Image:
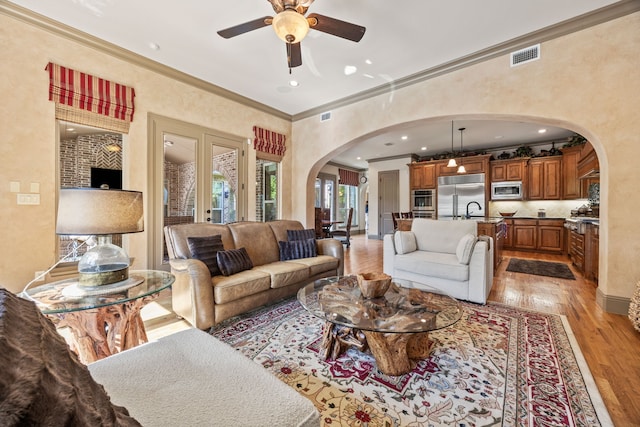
x: 42, y: 383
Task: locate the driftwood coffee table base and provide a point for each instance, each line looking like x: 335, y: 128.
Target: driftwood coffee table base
x: 392, y: 351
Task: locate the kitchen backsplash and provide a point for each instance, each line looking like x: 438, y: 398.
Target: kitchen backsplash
x: 553, y: 208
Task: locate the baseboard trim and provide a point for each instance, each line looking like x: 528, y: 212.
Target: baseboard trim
x: 612, y: 304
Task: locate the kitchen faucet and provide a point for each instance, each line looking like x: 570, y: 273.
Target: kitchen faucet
x: 470, y: 203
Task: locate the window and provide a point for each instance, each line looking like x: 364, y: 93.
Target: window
x: 347, y: 198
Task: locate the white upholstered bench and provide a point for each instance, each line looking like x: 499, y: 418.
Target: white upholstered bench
x: 192, y: 379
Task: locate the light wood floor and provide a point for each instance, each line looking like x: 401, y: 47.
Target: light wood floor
x: 608, y: 342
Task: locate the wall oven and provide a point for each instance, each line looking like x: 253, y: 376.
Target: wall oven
x: 508, y: 190
x: 423, y: 203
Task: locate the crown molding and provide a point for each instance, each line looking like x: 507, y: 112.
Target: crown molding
x: 70, y: 33
x: 602, y: 15
x: 605, y: 14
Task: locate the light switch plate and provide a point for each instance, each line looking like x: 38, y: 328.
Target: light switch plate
x: 28, y: 199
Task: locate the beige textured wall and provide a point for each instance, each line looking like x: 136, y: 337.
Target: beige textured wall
x: 27, y: 152
x: 587, y: 82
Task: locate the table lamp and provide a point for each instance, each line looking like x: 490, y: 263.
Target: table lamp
x: 102, y: 213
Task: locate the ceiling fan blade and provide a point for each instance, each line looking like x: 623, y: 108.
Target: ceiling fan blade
x: 294, y: 54
x: 336, y: 27
x: 227, y: 33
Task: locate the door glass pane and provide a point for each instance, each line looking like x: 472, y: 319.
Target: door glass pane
x: 224, y: 185
x: 179, y: 182
x: 347, y: 199
x: 266, y: 190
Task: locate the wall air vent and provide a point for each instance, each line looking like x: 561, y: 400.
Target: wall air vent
x: 325, y: 116
x: 522, y: 56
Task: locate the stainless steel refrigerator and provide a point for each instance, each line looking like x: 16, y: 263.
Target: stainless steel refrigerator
x: 457, y: 193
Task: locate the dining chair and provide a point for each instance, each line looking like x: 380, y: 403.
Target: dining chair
x: 346, y: 233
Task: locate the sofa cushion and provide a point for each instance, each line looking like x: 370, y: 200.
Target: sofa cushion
x: 297, y: 249
x: 258, y: 239
x: 234, y: 261
x: 319, y: 264
x: 284, y: 273
x: 308, y: 233
x: 239, y: 285
x: 441, y: 236
x: 433, y: 264
x: 205, y: 249
x: 405, y: 242
x: 465, y: 248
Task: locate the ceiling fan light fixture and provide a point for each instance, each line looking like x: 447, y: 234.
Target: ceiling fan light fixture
x: 290, y: 26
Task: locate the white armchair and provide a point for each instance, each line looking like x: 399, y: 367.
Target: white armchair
x: 446, y: 255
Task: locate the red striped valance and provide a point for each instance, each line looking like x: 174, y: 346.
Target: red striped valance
x: 348, y: 177
x: 268, y: 144
x: 89, y: 100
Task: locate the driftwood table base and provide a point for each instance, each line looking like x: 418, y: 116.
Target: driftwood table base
x: 392, y: 352
x: 101, y: 332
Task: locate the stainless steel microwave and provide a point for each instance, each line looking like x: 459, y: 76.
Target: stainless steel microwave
x: 507, y: 190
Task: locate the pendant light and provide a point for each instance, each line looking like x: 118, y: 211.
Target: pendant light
x: 461, y: 169
x: 452, y: 161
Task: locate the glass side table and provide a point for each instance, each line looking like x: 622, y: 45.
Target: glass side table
x: 103, y: 324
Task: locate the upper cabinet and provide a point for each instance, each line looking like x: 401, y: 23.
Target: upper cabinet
x: 473, y: 164
x: 571, y: 185
x: 509, y: 170
x: 422, y: 175
x: 588, y: 165
x: 545, y: 178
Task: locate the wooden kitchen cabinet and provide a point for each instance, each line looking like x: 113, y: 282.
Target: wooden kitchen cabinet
x: 422, y: 176
x: 576, y: 250
x: 550, y: 236
x: 571, y: 184
x: 509, y: 170
x: 525, y: 234
x: 545, y: 235
x: 474, y: 164
x: 592, y: 252
x: 497, y: 231
x: 545, y: 178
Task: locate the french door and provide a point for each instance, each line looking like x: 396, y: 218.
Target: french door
x: 198, y: 175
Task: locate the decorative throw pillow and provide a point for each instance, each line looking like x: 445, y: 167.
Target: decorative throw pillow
x: 309, y: 233
x: 296, y: 249
x: 405, y: 242
x: 234, y: 261
x: 205, y: 249
x: 465, y: 248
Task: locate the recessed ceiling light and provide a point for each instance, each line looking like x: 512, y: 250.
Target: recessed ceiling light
x: 423, y: 148
x: 71, y: 129
x: 358, y: 158
x: 294, y: 83
x: 369, y: 76
x: 404, y: 137
x: 498, y: 137
x: 154, y: 46
x: 350, y: 69
x: 368, y: 61
x: 542, y: 130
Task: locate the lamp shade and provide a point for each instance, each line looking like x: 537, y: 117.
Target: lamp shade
x: 290, y: 26
x: 92, y: 211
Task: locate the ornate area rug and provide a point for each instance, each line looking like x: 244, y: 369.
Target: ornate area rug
x: 540, y: 268
x: 498, y: 366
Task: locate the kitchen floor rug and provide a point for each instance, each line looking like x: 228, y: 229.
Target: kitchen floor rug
x: 497, y: 366
x: 540, y: 268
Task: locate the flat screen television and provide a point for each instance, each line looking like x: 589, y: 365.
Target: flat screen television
x: 111, y: 177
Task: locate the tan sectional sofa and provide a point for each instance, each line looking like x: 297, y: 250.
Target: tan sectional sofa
x: 205, y: 300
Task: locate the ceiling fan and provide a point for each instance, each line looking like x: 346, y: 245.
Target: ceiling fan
x: 291, y: 26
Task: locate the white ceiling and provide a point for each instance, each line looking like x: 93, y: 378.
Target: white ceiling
x: 402, y: 39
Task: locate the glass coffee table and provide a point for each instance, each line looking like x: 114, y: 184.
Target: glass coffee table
x: 395, y: 327
x: 105, y: 323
